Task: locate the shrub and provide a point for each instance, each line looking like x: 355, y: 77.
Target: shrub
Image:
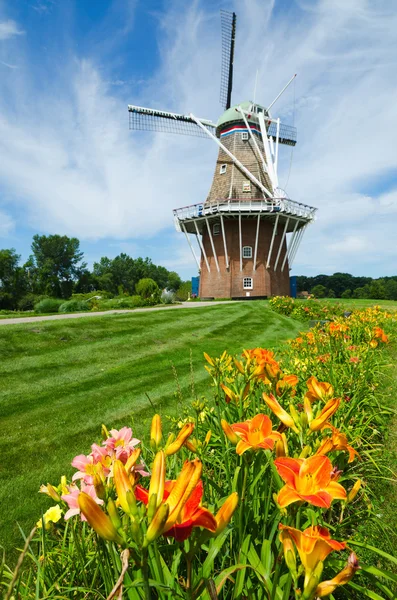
x: 167, y: 297
x: 48, y: 305
x: 29, y: 301
x: 146, y: 287
x: 92, y: 295
x: 74, y: 306
x: 121, y: 302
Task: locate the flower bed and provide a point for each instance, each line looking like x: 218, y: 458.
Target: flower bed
x: 259, y: 494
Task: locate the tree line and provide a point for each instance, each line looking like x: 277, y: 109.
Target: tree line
x: 344, y: 285
x: 56, y: 269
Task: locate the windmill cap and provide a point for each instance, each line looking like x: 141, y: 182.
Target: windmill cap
x: 233, y: 115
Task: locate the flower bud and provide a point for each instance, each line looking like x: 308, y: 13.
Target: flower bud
x: 354, y: 491
x: 156, y: 526
x: 325, y: 588
x: 99, y: 486
x: 157, y: 480
x: 123, y: 486
x: 289, y: 553
x: 50, y: 491
x: 98, y: 520
x: 180, y: 439
x: 225, y: 513
x: 229, y: 433
x: 208, y: 437
x: 156, y: 434
x: 113, y: 514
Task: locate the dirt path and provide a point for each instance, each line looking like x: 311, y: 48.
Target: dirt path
x: 16, y: 320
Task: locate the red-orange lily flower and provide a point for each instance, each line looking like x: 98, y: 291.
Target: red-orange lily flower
x: 313, y: 544
x: 379, y: 333
x: 191, y: 515
x: 321, y: 420
x: 287, y: 383
x: 308, y: 480
x: 280, y: 412
x: 318, y: 390
x: 338, y: 441
x: 255, y: 433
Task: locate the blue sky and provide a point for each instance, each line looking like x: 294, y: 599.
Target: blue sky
x: 70, y: 165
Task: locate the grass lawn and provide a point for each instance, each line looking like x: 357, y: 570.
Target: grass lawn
x: 62, y: 379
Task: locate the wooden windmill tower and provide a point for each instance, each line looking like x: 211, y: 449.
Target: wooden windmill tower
x: 242, y: 226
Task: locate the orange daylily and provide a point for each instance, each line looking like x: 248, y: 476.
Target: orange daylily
x: 318, y: 390
x: 338, y: 441
x: 280, y: 412
x: 308, y: 480
x: 325, y: 588
x: 379, y: 333
x: 255, y: 433
x: 192, y: 514
x: 288, y: 382
x: 266, y: 367
x: 181, y: 510
x: 321, y: 420
x: 313, y: 544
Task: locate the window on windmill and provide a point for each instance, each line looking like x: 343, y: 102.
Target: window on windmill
x: 247, y: 251
x: 248, y: 283
x: 246, y: 186
x: 216, y: 228
x: 244, y: 136
x: 222, y: 169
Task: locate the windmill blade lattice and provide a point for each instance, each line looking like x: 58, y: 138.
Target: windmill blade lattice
x: 146, y: 119
x: 287, y: 134
x: 228, y: 27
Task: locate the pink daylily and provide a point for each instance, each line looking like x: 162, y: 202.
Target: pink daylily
x: 121, y: 443
x: 71, y: 499
x: 85, y: 465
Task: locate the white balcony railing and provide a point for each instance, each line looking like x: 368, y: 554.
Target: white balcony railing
x: 255, y: 206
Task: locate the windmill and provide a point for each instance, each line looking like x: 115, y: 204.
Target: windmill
x: 242, y: 226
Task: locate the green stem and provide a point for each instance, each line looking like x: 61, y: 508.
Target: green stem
x: 222, y: 436
x: 242, y: 498
x: 145, y: 574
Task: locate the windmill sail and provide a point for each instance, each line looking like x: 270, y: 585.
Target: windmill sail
x: 150, y: 119
x: 228, y: 26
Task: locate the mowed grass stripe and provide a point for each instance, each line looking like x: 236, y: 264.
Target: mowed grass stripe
x: 62, y: 379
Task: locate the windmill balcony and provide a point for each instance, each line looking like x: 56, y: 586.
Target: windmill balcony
x: 197, y: 214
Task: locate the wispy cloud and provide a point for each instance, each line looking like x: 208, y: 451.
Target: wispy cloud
x: 9, y: 29
x: 85, y: 174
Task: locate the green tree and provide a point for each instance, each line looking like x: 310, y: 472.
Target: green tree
x: 330, y: 293
x: 174, y: 282
x: 57, y: 260
x: 346, y: 294
x: 391, y: 289
x: 146, y: 287
x: 319, y: 291
x: 12, y: 279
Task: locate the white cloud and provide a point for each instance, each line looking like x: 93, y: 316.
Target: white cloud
x: 85, y: 174
x: 9, y: 29
x: 7, y: 224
